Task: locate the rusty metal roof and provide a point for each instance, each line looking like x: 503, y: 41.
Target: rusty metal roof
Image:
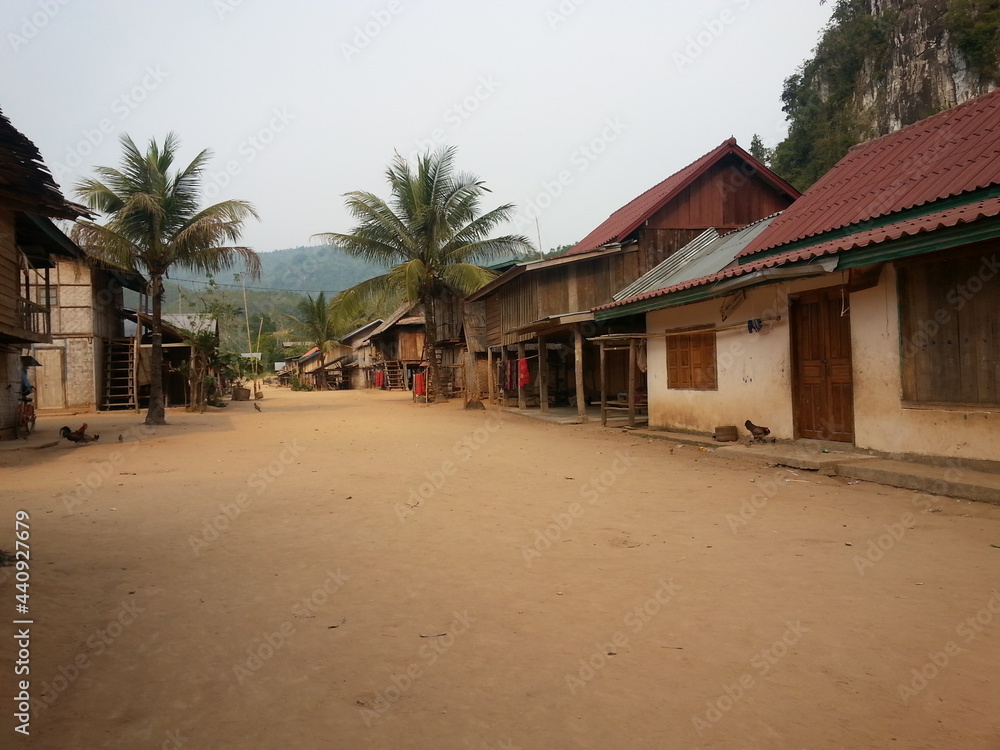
x: 943, y: 219
x: 707, y: 253
x: 951, y: 153
x: 631, y: 216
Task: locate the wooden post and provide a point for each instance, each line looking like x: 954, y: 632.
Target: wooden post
x: 604, y: 387
x: 521, y: 400
x: 491, y: 374
x: 581, y: 396
x: 631, y: 381
x: 543, y: 375
x: 503, y: 375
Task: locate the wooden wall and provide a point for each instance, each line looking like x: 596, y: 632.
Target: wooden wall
x: 727, y: 196
x: 9, y: 259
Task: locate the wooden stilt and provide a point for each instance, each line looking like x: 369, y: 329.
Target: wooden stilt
x: 543, y: 375
x: 581, y: 396
x: 491, y: 375
x: 522, y: 402
x: 631, y: 381
x: 604, y: 387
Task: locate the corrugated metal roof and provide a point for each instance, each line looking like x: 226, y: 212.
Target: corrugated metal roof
x: 631, y: 216
x: 707, y: 253
x: 194, y: 322
x: 906, y: 228
x: 951, y: 153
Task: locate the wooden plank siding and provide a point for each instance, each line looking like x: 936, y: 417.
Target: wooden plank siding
x: 950, y: 329
x: 727, y: 196
x: 9, y: 255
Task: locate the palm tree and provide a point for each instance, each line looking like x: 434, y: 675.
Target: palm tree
x: 154, y: 223
x: 430, y: 235
x: 315, y: 323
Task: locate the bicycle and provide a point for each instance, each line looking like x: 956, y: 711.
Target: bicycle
x: 24, y: 419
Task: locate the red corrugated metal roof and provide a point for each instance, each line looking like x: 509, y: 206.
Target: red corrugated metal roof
x: 951, y: 153
x: 630, y: 217
x: 927, y: 223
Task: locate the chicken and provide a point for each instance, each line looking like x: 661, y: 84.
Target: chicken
x: 80, y: 436
x: 257, y: 406
x: 758, y: 433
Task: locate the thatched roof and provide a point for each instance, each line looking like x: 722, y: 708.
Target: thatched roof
x: 25, y: 182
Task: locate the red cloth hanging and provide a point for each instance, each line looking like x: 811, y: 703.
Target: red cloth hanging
x: 379, y: 378
x: 523, y: 376
x: 420, y: 384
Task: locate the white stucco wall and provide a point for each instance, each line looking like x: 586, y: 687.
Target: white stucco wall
x: 755, y: 377
x: 753, y: 369
x: 881, y: 422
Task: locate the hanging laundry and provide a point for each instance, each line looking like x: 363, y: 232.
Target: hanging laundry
x: 420, y: 384
x: 523, y: 375
x: 640, y: 357
x: 510, y: 381
x: 379, y: 378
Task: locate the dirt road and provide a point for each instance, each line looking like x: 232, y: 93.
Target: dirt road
x: 349, y: 570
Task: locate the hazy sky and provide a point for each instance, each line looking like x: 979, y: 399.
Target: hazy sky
x: 568, y: 108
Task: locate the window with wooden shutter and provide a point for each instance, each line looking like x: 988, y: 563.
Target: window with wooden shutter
x: 691, y: 361
x: 949, y: 312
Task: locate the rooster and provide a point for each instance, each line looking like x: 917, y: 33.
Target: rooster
x: 758, y: 433
x: 80, y: 436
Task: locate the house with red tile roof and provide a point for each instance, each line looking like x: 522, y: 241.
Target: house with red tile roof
x: 540, y: 312
x: 868, y: 312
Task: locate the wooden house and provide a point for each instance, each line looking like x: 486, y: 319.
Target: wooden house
x: 86, y: 302
x: 397, y: 348
x: 28, y: 253
x: 359, y: 368
x: 867, y: 313
x: 540, y: 313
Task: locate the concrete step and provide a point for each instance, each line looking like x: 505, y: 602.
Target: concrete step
x: 839, y: 459
x: 954, y: 481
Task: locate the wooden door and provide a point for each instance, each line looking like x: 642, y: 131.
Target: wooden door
x: 823, y: 388
x: 49, y: 379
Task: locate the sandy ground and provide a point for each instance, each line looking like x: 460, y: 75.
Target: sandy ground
x: 348, y: 570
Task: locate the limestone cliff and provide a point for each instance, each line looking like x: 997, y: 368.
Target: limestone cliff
x: 879, y: 66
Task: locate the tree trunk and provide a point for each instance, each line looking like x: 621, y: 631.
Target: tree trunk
x: 155, y: 414
x: 320, y: 375
x: 430, y: 350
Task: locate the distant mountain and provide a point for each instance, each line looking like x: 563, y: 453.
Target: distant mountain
x: 311, y: 269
